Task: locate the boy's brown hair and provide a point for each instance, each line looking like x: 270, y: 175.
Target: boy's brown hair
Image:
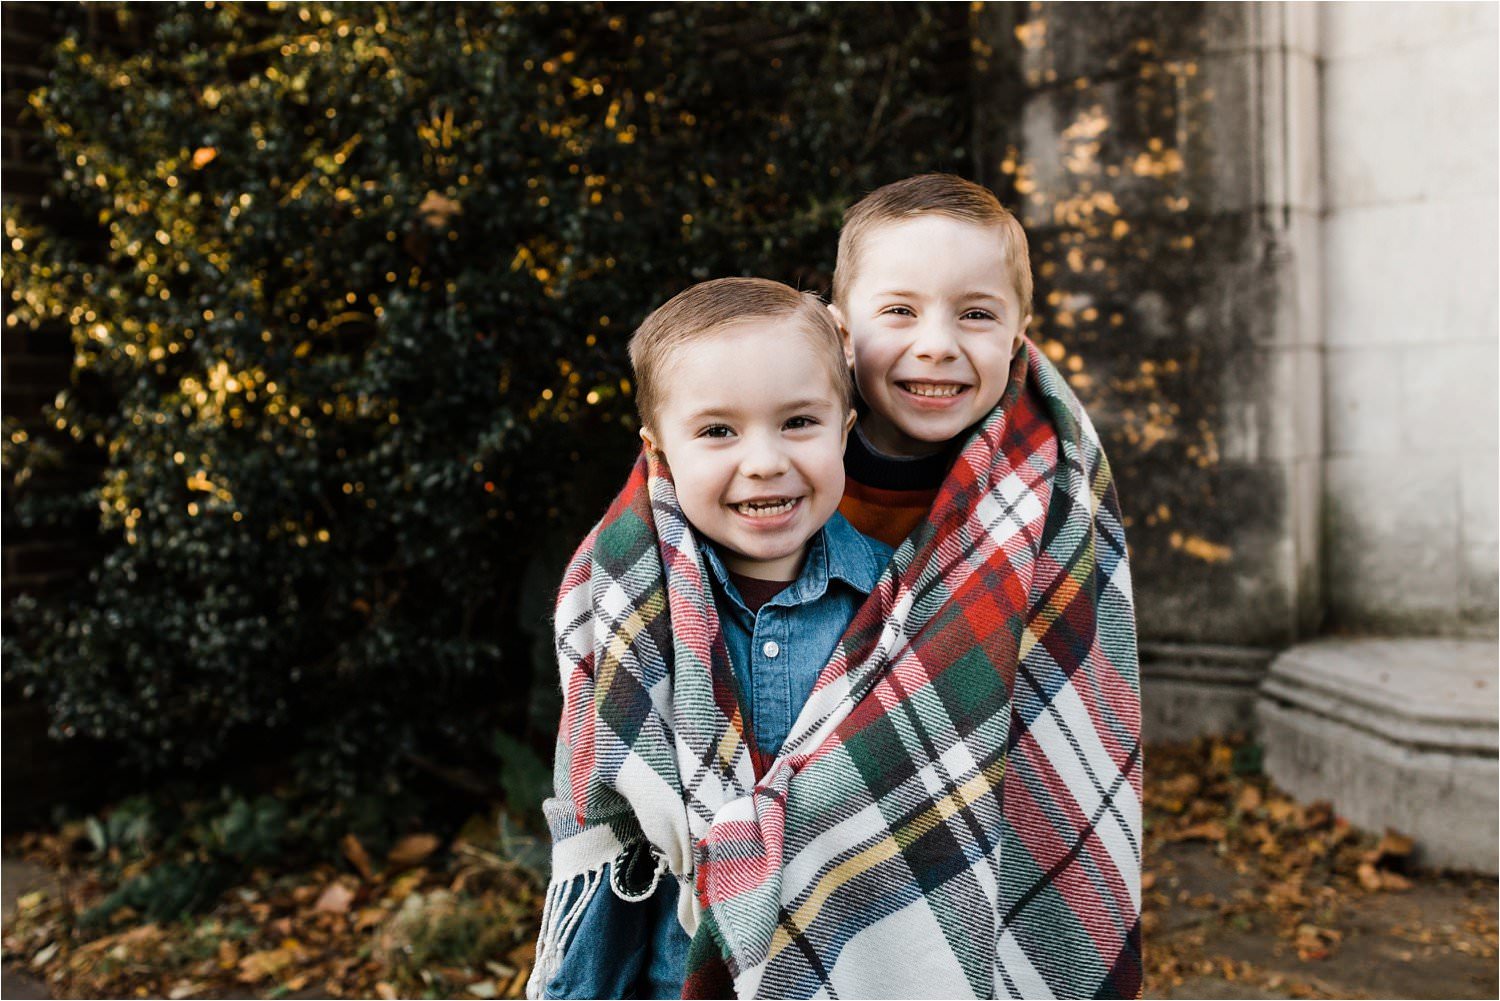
x: 935, y: 194
x: 709, y: 307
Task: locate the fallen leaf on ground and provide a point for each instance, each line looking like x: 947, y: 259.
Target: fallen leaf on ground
x: 1393, y: 850
x: 368, y: 917
x: 1210, y: 830
x: 1281, y: 810
x: 357, y: 856
x: 260, y: 965
x: 405, y: 885
x: 412, y: 849
x: 1394, y: 881
x: 335, y: 900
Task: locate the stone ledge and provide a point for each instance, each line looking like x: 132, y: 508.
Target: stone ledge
x: 1395, y: 733
x: 1190, y: 690
x: 1430, y: 694
x: 1222, y: 665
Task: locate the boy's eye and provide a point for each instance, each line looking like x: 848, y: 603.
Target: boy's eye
x: 898, y: 311
x: 978, y: 314
x: 716, y: 431
x: 798, y: 423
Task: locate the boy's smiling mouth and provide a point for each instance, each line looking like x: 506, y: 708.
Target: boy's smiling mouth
x: 932, y: 390
x: 765, y: 507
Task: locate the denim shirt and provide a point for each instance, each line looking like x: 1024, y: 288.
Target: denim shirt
x: 624, y: 949
x: 778, y: 653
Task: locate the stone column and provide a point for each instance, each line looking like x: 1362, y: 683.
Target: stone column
x: 1165, y: 162
x: 1410, y: 262
x: 1402, y: 731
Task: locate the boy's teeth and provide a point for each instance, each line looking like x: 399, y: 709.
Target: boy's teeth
x: 930, y: 389
x: 764, y: 509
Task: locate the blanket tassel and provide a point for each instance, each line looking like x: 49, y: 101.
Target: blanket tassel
x: 559, y: 918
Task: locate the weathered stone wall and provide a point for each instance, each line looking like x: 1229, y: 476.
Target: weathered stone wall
x: 1266, y: 252
x: 1161, y: 246
x: 1410, y: 258
x: 1148, y: 165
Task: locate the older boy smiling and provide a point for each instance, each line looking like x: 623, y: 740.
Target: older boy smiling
x: 933, y: 307
x: 932, y: 294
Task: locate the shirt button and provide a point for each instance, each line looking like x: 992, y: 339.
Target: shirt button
x: 771, y: 649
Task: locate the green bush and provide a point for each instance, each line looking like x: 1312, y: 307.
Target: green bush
x: 194, y: 852
x: 349, y: 287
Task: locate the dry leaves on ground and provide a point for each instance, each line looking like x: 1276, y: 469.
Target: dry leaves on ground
x: 1300, y: 866
x: 430, y: 922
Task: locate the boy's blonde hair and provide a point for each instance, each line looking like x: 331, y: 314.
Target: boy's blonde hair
x: 936, y: 194
x: 709, y: 307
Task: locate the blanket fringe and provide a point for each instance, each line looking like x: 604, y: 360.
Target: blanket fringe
x: 559, y: 919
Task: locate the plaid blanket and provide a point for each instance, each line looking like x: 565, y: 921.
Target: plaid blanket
x: 956, y: 812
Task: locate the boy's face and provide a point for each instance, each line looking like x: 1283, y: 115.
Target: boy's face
x: 931, y: 323
x: 754, y: 432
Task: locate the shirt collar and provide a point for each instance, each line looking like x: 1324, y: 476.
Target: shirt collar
x: 854, y: 559
x: 835, y: 551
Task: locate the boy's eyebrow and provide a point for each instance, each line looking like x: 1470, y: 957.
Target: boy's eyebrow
x: 706, y: 412
x: 810, y: 403
x: 909, y: 294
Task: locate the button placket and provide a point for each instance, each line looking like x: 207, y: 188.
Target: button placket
x: 772, y: 678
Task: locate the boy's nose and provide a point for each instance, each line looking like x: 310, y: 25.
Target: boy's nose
x: 935, y: 341
x: 763, y: 458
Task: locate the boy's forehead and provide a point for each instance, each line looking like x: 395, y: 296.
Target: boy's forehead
x: 753, y: 333
x: 745, y: 366
x: 912, y: 237
x: 933, y: 252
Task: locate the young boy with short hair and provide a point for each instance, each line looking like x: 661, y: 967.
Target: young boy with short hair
x: 745, y: 395
x: 933, y: 294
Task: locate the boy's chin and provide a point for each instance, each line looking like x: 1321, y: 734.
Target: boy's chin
x: 928, y: 436
x: 765, y: 563
x: 925, y: 433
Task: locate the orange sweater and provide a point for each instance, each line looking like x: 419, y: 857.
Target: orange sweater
x: 886, y: 497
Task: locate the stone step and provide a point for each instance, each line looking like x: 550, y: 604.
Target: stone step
x: 1398, y: 733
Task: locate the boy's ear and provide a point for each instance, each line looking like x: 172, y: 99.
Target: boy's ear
x: 1015, y: 348
x: 838, y: 317
x: 647, y: 439
x: 849, y: 421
